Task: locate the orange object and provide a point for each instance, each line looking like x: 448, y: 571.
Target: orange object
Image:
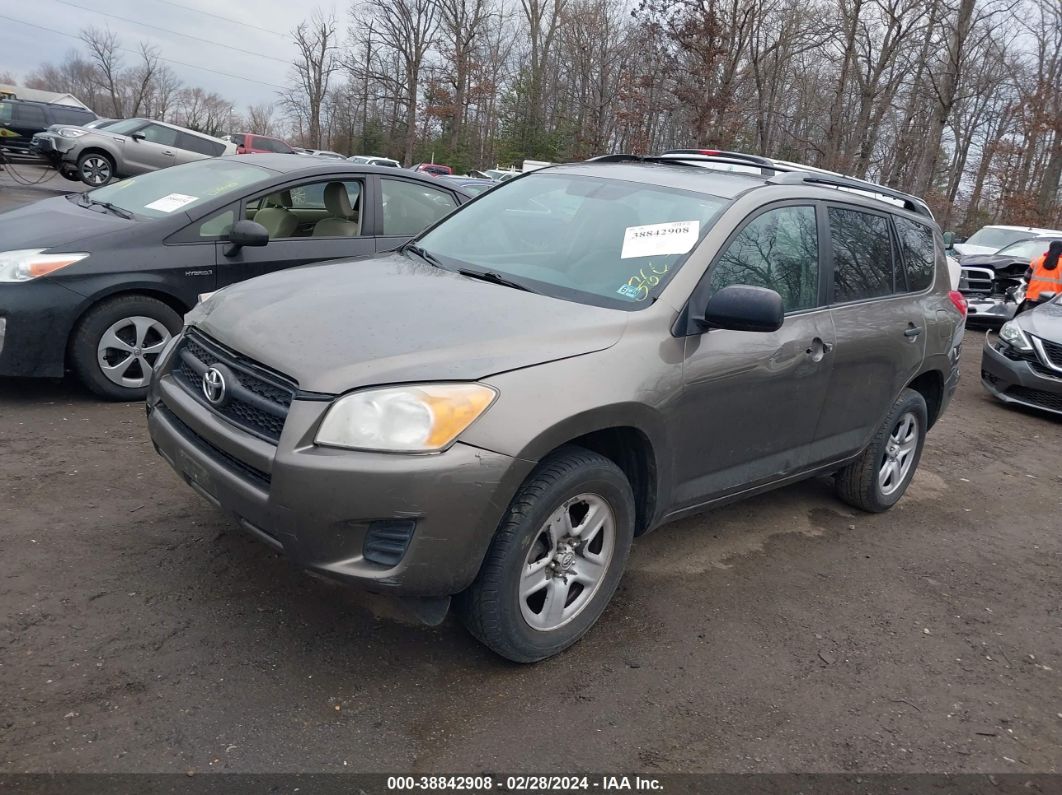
x: 1042, y: 279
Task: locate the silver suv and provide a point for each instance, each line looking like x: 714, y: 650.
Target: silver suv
x: 125, y: 148
x: 580, y: 355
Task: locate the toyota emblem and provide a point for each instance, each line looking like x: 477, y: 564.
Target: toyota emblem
x: 214, y: 386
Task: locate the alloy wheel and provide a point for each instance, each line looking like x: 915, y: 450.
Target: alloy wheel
x: 127, y: 351
x: 899, y: 454
x: 567, y: 562
x: 96, y: 170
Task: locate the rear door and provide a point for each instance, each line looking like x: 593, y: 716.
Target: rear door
x: 881, y: 328
x: 297, y: 244
x: 407, y: 207
x: 19, y: 122
x: 751, y: 401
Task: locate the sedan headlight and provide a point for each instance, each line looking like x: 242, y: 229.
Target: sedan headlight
x: 31, y: 263
x: 72, y: 132
x: 419, y: 418
x: 1010, y: 333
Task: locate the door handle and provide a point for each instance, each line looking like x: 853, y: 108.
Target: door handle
x: 912, y: 331
x: 818, y: 349
x: 167, y: 152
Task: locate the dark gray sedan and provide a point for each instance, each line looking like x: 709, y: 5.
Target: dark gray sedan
x: 1023, y: 365
x: 97, y: 282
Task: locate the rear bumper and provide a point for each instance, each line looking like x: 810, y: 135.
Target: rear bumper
x: 1021, y: 383
x: 37, y: 317
x: 318, y: 505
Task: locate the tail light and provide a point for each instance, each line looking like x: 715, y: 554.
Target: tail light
x: 959, y: 300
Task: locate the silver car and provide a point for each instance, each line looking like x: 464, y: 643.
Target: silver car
x: 125, y: 148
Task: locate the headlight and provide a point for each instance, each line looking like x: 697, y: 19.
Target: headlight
x: 1014, y: 336
x: 30, y: 263
x: 421, y: 418
x: 72, y: 132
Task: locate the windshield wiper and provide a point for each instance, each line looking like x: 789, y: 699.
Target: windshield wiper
x: 425, y: 255
x: 494, y: 278
x: 119, y: 211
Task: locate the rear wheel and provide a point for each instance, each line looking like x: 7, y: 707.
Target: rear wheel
x: 95, y: 169
x: 556, y: 559
x: 877, y: 479
x: 116, y: 345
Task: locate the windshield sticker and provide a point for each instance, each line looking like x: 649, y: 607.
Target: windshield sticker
x: 638, y: 286
x: 167, y: 204
x: 657, y: 240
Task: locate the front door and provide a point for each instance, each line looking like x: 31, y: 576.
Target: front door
x: 307, y: 222
x: 156, y: 149
x: 751, y: 401
x: 407, y: 208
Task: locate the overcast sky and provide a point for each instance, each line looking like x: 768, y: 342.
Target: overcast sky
x: 23, y: 48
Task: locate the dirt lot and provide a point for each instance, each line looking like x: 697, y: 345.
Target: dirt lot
x: 142, y: 631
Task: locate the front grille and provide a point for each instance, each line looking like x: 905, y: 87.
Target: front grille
x: 1037, y: 397
x: 1053, y: 351
x: 1046, y: 372
x: 220, y: 456
x: 976, y: 280
x: 257, y: 400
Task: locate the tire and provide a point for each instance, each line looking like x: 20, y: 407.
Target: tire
x: 584, y: 487
x: 126, y: 334
x: 865, y: 483
x: 73, y: 176
x: 95, y: 169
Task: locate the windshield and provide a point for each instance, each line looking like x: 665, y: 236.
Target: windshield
x: 996, y: 238
x: 1026, y: 249
x: 600, y: 241
x: 160, y: 193
x: 126, y: 126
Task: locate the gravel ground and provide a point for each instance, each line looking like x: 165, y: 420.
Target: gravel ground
x: 140, y: 630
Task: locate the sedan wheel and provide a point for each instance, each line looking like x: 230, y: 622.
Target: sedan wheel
x: 128, y: 349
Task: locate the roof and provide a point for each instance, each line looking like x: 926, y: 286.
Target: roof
x: 291, y: 164
x: 1036, y: 230
x: 36, y: 95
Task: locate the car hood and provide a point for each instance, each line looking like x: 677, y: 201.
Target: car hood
x: 1044, y: 321
x: 993, y: 261
x: 55, y: 222
x: 342, y: 325
x: 965, y: 249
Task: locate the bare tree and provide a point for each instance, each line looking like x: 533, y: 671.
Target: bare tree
x: 313, y: 68
x: 105, y: 55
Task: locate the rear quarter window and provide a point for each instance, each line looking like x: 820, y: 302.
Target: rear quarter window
x: 193, y: 143
x: 71, y: 116
x: 918, y: 253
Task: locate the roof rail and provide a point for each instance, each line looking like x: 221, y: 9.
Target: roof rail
x: 911, y: 203
x: 722, y: 154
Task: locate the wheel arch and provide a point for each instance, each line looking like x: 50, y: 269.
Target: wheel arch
x: 930, y: 385
x: 148, y: 291
x: 629, y: 435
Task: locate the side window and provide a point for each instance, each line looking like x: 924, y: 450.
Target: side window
x: 295, y: 212
x: 862, y: 255
x: 7, y: 112
x: 157, y: 134
x: 193, y: 143
x: 919, y: 253
x: 218, y: 224
x: 409, y: 207
x: 778, y: 250
x: 30, y: 115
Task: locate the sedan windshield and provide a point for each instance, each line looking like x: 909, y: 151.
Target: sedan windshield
x: 600, y: 241
x: 161, y: 193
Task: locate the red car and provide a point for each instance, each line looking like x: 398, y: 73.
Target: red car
x: 435, y: 169
x: 250, y: 144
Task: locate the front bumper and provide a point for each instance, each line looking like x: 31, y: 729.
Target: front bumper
x: 318, y: 505
x: 1026, y: 382
x: 988, y: 309
x: 38, y: 316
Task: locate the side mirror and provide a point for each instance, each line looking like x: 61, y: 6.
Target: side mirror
x: 949, y: 239
x: 138, y: 136
x: 246, y: 233
x: 741, y: 307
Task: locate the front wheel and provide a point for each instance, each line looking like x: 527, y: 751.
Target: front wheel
x: 95, y: 169
x: 556, y: 559
x: 877, y: 479
x: 116, y: 345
